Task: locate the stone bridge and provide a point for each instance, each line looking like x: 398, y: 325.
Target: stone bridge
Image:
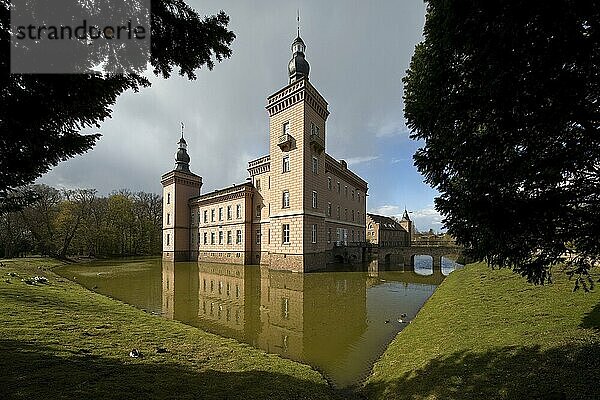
x: 405, y: 256
x: 357, y: 252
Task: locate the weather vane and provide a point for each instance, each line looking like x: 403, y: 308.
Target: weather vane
x: 182, y: 126
x: 298, y: 10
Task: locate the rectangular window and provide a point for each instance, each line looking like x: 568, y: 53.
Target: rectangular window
x: 238, y: 238
x: 329, y: 183
x: 352, y: 215
x: 338, y: 212
x: 314, y: 233
x: 212, y: 215
x: 238, y: 211
x: 220, y: 237
x: 168, y: 218
x: 228, y: 212
x: 205, y: 238
x: 258, y: 208
x: 285, y: 234
x: 285, y: 166
x: 285, y: 201
x: 258, y: 236
x: 286, y: 128
x: 168, y: 198
x: 346, y: 190
x: 329, y: 235
x: 315, y: 165
x: 338, y: 187
x: 258, y: 184
x: 314, y: 199
x: 352, y: 194
x: 168, y: 239
x: 329, y: 209
x: 212, y: 238
x: 269, y: 181
x: 220, y: 213
x: 205, y: 216
x: 345, y: 214
x: 269, y: 236
x: 228, y: 237
x: 358, y: 196
x: 314, y: 129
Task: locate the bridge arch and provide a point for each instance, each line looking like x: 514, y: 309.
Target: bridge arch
x: 406, y: 255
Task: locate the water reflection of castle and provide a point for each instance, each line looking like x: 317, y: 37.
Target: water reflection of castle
x: 312, y: 318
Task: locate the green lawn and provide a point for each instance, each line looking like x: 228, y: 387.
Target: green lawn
x: 487, y: 334
x: 61, y: 341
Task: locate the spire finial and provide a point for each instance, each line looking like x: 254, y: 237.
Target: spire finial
x: 298, y: 10
x: 182, y: 127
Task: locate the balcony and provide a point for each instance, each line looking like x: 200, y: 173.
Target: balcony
x: 285, y: 141
x: 317, y: 141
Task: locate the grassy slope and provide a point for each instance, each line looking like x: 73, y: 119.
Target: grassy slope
x: 490, y: 335
x: 61, y: 341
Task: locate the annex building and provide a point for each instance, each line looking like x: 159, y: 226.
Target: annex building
x: 388, y: 232
x: 298, y: 201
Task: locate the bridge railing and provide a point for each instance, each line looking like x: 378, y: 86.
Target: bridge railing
x: 342, y: 243
x: 432, y: 243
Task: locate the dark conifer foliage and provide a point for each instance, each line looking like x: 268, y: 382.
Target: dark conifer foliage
x: 41, y: 116
x: 505, y: 96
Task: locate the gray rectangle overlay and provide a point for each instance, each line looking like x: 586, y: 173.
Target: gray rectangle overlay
x: 79, y: 36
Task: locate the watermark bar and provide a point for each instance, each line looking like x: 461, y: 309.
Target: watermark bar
x: 79, y: 37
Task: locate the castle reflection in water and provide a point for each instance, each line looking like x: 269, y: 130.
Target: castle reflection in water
x: 318, y: 318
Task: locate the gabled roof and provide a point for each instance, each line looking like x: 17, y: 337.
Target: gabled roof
x: 385, y: 222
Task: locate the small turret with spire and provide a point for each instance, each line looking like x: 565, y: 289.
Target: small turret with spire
x: 182, y: 159
x: 298, y: 67
x: 179, y: 186
x: 405, y: 216
x: 408, y: 225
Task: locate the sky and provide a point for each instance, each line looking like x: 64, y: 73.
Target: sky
x: 358, y: 53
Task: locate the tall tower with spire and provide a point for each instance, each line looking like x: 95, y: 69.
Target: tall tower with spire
x: 179, y: 186
x: 297, y: 115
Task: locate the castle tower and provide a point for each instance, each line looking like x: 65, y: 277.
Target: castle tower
x: 297, y: 115
x: 179, y: 186
x: 408, y: 225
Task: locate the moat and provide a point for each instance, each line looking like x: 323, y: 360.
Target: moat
x: 339, y: 321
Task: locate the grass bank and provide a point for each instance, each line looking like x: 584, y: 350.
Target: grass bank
x: 61, y: 341
x: 487, y: 334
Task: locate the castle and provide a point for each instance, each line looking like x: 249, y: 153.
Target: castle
x: 298, y: 203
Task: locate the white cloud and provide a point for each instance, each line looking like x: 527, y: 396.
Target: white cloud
x: 388, y: 210
x: 360, y: 160
x: 390, y: 127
